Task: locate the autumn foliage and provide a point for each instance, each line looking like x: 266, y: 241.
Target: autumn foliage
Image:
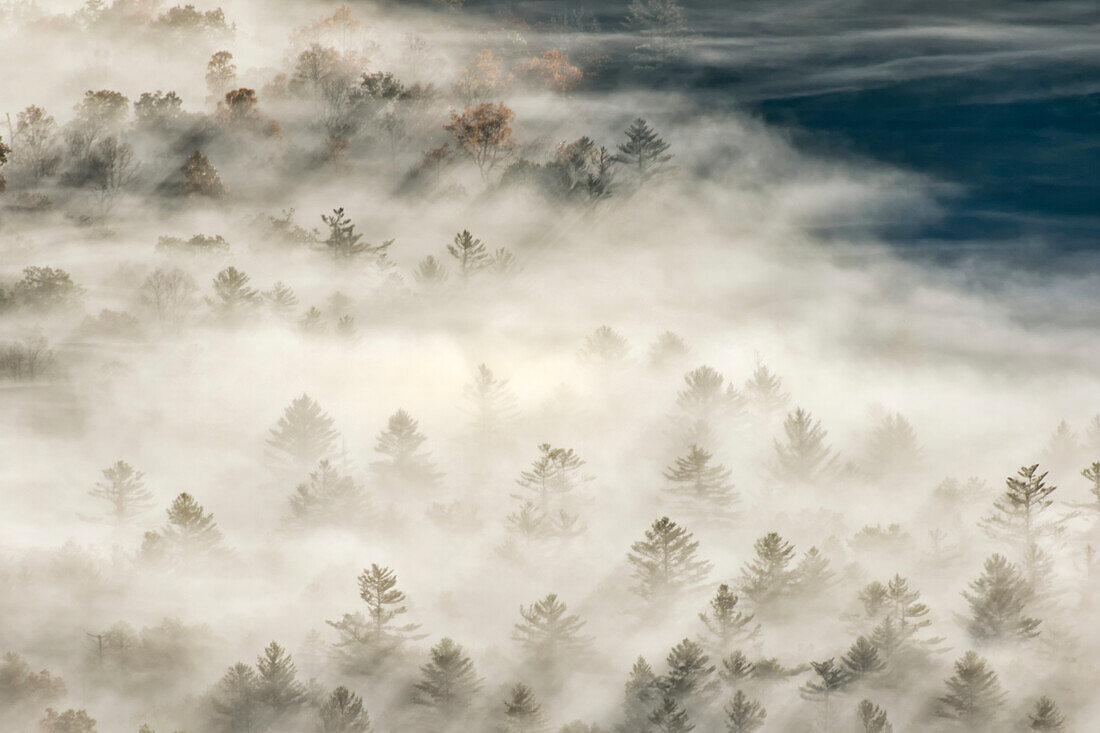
x: 552, y: 70
x: 484, y: 133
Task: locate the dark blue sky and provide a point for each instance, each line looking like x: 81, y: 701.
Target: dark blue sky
x: 998, y: 97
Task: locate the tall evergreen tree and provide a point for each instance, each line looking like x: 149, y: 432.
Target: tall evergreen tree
x: 491, y: 407
x: 667, y: 351
x: 344, y: 242
x: 690, y: 679
x: 665, y: 563
x: 470, y: 254
x: 644, y: 152
x: 998, y: 601
x: 804, y: 456
x: 701, y: 488
x: 367, y: 641
x: 974, y: 695
x: 549, y: 635
x: 448, y: 684
x: 640, y: 695
x: 281, y: 300
x: 522, y: 713
x: 862, y: 659
x: 767, y: 578
x: 1046, y: 716
x: 872, y: 718
x: 234, y: 702
x: 892, y: 448
x: 190, y: 534
x: 604, y: 348
x: 277, y: 688
x: 343, y: 712
x: 725, y: 623
x: 831, y: 681
x: 1020, y: 515
x: 764, y: 391
x: 124, y: 490
x: 744, y: 715
x: 328, y: 499
x: 405, y: 467
x: 736, y: 668
x: 1064, y: 448
x: 707, y: 396
x: 234, y: 300
x: 303, y: 435
x: 813, y: 576
x: 668, y: 717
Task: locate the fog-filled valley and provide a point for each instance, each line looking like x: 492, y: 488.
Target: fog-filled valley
x: 420, y: 367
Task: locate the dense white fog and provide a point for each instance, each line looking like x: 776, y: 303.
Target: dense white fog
x: 252, y: 372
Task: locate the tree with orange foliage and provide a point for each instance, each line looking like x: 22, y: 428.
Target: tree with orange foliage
x: 553, y: 70
x: 483, y: 77
x: 484, y: 133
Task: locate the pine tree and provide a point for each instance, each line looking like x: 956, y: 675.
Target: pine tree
x: 404, y: 468
x: 492, y: 407
x: 702, y: 489
x: 667, y: 351
x: 429, y: 271
x: 644, y: 153
x: 1046, y: 716
x: 522, y: 713
x: 552, y: 477
x: 725, y: 623
x: 1064, y: 448
x: 281, y: 300
x: 470, y: 253
x: 905, y: 608
x: 707, y: 397
x: 767, y: 578
x: 668, y: 717
x: 690, y: 677
x: 549, y: 635
x: 1019, y: 515
x: 744, y: 715
x: 640, y: 695
x: 329, y: 499
x: 998, y: 599
x: 831, y: 681
x: 892, y: 448
x: 604, y: 348
x: 973, y: 696
x: 812, y: 576
x: 736, y: 668
x: 303, y: 436
x: 234, y: 705
x: 448, y: 683
x: 233, y: 299
x: 343, y: 241
x: 366, y: 641
x: 764, y: 391
x: 874, y: 597
x: 862, y: 659
x: 804, y: 456
x: 343, y: 712
x: 277, y: 687
x: 191, y: 534
x: 312, y: 322
x: 125, y: 491
x: 872, y: 718
x: 665, y: 563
